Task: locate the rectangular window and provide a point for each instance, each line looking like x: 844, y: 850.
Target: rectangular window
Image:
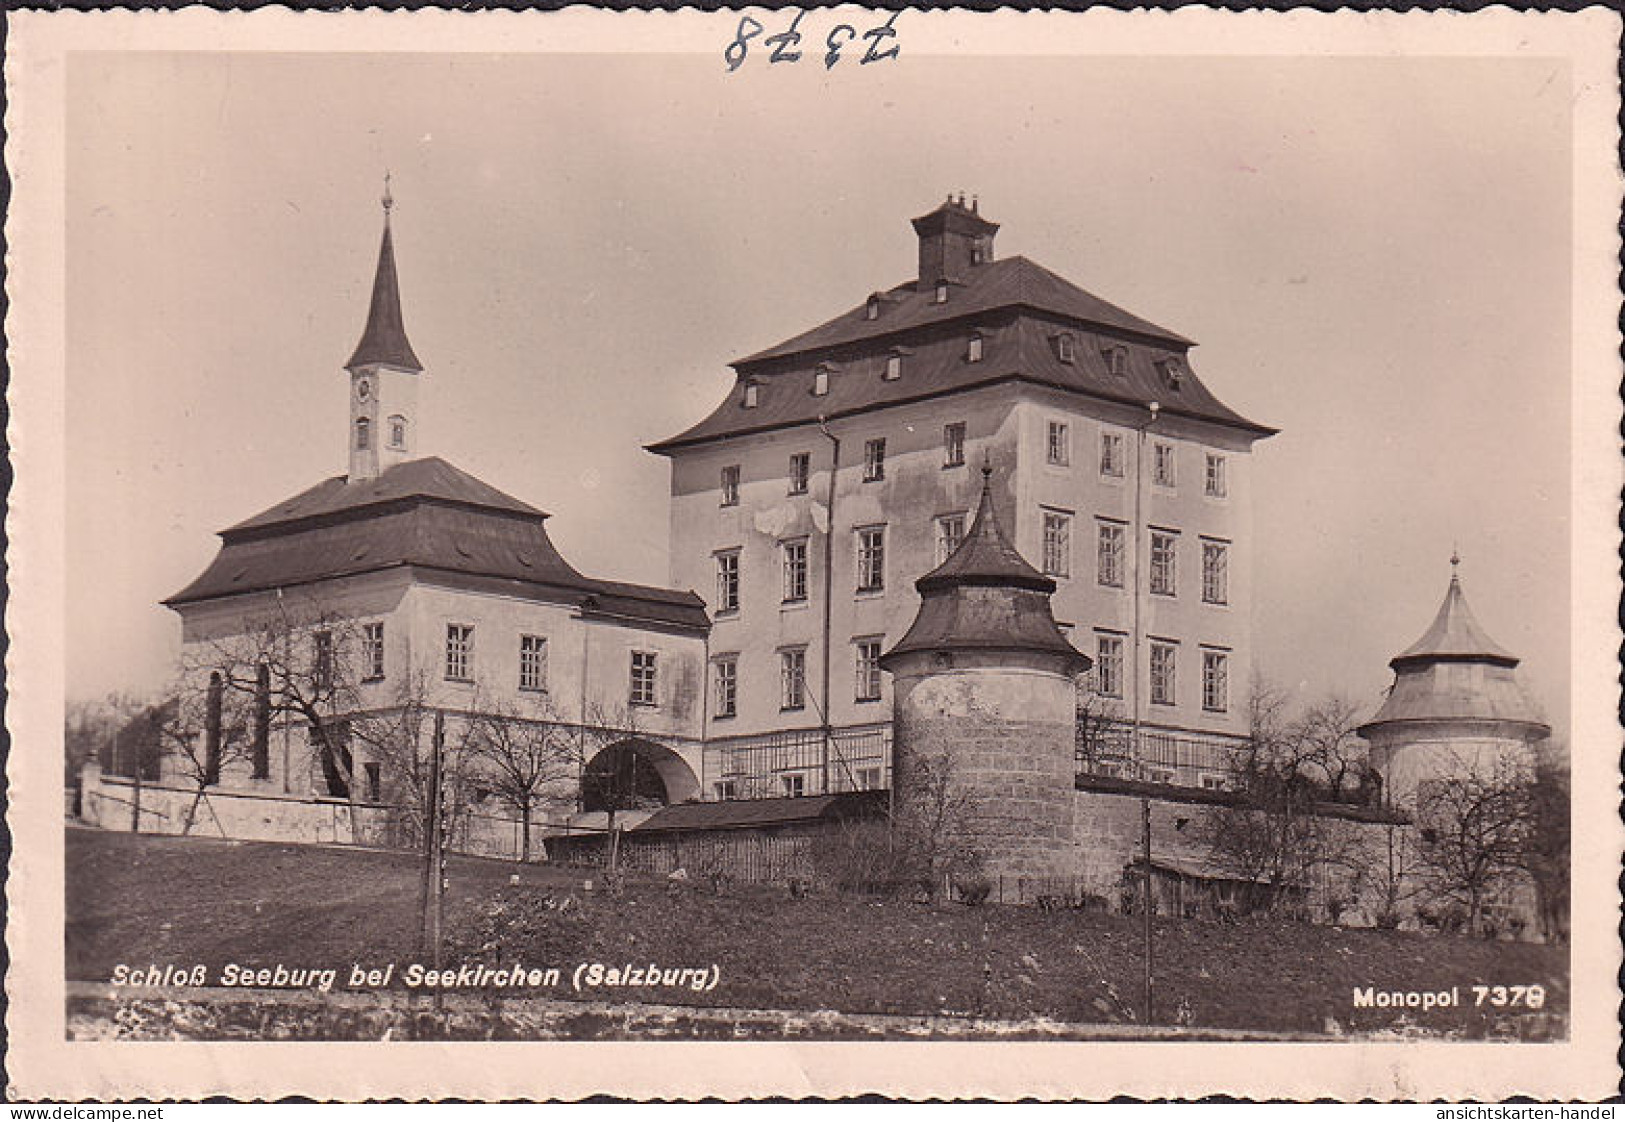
x: 643, y: 681
x: 1162, y: 464
x: 800, y: 469
x: 874, y: 459
x: 725, y: 676
x: 1057, y: 544
x: 726, y: 789
x: 1216, y: 486
x: 372, y: 650
x: 1111, y: 454
x: 730, y: 485
x: 793, y: 785
x: 1109, y: 665
x: 793, y: 678
x: 1164, y: 574
x: 1058, y: 448
x: 868, y: 778
x: 532, y: 662
x: 950, y: 532
x: 1164, y: 668
x: 1109, y: 563
x: 459, y: 652
x: 1215, y: 681
x: 728, y: 582
x: 1215, y: 572
x: 324, y: 660
x: 872, y: 559
x: 953, y: 444
x: 795, y: 570
x: 867, y: 662
x: 375, y: 783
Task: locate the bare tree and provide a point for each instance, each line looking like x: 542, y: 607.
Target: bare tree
x: 616, y: 784
x: 932, y: 823
x: 298, y: 661
x: 1273, y: 836
x: 1474, y: 821
x: 1546, y: 851
x: 527, y: 756
x: 203, y: 734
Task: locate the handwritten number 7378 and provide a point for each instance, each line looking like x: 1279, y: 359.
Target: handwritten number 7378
x: 784, y: 43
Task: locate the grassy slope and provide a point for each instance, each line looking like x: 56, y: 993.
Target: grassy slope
x: 158, y: 900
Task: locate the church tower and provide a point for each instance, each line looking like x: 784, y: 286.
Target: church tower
x: 383, y: 374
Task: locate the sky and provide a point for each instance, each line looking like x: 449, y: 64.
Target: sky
x: 1373, y: 255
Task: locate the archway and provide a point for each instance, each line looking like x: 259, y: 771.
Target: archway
x: 636, y: 775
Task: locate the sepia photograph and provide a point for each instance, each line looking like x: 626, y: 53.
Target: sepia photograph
x: 791, y: 526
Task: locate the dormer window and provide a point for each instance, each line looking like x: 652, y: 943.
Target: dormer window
x: 942, y: 293
x: 1116, y: 360
x: 1065, y: 349
x: 1172, y: 372
x: 872, y: 311
x: 821, y: 380
x: 894, y: 366
x: 752, y: 392
x: 973, y: 349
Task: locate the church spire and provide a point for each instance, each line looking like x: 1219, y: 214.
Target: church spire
x: 384, y: 341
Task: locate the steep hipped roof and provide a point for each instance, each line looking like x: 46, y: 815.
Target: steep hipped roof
x: 1020, y: 342
x: 427, y: 478
x: 434, y: 518
x: 986, y: 597
x: 384, y: 340
x: 1454, y: 636
x: 1012, y: 282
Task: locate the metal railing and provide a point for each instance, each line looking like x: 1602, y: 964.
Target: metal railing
x: 1114, y: 749
x: 799, y: 762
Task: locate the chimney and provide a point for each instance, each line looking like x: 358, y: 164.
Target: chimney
x: 954, y: 239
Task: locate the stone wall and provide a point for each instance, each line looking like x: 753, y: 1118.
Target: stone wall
x: 108, y: 801
x: 1012, y: 776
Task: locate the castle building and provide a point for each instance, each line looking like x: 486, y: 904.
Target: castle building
x: 1455, y: 705
x: 408, y: 583
x: 840, y: 468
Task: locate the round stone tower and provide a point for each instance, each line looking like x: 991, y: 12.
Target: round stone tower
x: 1455, y: 704
x: 985, y: 706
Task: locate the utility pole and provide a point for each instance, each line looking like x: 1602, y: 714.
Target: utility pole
x: 432, y: 885
x: 1145, y: 842
x: 437, y: 847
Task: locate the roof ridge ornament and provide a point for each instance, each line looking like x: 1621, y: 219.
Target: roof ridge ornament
x: 388, y: 199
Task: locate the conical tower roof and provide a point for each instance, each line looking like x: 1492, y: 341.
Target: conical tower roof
x: 985, y: 597
x: 986, y: 556
x: 1454, y: 635
x: 1457, y: 675
x: 384, y: 341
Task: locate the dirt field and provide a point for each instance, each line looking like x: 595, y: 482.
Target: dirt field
x: 144, y: 902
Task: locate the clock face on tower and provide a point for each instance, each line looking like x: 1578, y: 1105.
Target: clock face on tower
x: 363, y: 389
